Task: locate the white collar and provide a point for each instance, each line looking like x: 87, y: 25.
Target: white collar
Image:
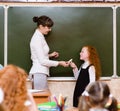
x: 38, y: 32
x: 85, y: 64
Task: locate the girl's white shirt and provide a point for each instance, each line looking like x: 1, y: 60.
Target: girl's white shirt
x: 40, y: 54
x: 84, y: 66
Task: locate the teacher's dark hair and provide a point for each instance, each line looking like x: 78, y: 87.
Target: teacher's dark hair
x: 43, y: 20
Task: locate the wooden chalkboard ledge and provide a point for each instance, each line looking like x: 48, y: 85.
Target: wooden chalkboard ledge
x: 72, y: 79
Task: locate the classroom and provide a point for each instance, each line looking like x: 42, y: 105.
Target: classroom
x: 76, y: 24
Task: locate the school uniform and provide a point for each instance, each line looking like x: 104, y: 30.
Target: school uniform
x: 84, y: 77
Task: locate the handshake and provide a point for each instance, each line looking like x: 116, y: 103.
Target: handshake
x: 63, y: 63
x: 67, y: 63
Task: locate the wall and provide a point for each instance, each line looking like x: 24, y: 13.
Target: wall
x: 66, y: 88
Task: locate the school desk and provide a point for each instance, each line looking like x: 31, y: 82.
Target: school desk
x: 42, y: 96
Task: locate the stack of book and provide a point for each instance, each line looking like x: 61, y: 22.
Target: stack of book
x: 48, y: 106
x: 57, y: 105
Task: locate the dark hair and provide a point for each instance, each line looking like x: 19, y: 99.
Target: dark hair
x: 43, y: 20
x: 97, y: 94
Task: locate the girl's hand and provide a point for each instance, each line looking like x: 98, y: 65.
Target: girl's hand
x: 73, y: 65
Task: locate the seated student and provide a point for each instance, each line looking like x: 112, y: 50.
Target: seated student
x: 15, y: 94
x: 97, y: 97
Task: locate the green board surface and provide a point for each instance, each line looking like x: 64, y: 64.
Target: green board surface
x: 73, y: 28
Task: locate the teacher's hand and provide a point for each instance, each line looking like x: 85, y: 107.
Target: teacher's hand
x: 54, y: 54
x: 64, y: 63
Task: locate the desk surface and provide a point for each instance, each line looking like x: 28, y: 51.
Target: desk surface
x: 42, y: 93
x: 42, y: 96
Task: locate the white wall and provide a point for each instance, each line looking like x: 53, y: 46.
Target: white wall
x: 66, y: 87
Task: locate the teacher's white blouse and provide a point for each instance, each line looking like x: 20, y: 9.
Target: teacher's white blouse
x: 40, y: 54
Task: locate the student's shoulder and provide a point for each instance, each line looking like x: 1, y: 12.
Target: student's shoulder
x: 92, y: 67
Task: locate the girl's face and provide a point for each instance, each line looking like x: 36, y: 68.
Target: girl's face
x: 44, y: 29
x: 84, y: 54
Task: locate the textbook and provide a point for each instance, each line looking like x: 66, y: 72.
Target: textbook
x: 48, y: 106
x: 57, y: 105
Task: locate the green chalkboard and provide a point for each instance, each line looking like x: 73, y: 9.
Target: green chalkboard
x: 74, y: 27
x: 118, y: 40
x: 1, y: 35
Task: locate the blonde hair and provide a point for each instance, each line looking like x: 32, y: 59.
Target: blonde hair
x: 94, y: 60
x: 13, y: 84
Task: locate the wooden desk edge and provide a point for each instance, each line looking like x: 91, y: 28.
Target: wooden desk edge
x: 42, y: 93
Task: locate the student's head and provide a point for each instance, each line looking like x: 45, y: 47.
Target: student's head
x: 89, y: 53
x: 96, y: 94
x: 84, y: 54
x: 44, y: 23
x: 13, y: 84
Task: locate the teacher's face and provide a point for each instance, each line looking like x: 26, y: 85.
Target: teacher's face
x: 44, y: 29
